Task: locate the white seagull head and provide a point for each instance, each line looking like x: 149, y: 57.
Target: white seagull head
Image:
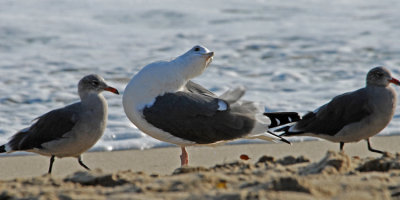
x: 195, y: 61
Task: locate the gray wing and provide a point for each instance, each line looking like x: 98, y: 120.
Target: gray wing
x: 230, y: 96
x: 233, y: 95
x: 198, y: 89
x: 50, y: 126
x: 333, y: 116
x: 197, y: 118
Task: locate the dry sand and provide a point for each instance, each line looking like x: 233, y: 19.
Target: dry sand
x: 305, y: 170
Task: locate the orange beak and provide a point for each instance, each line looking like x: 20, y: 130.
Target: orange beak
x: 111, y: 89
x: 394, y: 81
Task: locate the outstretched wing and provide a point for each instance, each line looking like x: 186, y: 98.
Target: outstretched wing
x: 50, y: 126
x: 330, y: 118
x: 197, y: 117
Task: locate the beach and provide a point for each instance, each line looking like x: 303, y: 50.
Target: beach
x: 290, y: 56
x: 303, y: 170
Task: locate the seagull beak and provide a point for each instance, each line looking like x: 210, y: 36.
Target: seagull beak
x: 111, y: 89
x: 394, y: 81
x: 209, y: 55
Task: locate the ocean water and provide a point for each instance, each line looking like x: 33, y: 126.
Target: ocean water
x: 290, y: 55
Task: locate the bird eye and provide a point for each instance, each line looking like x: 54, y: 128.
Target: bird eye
x: 197, y: 49
x: 379, y: 74
x: 95, y: 83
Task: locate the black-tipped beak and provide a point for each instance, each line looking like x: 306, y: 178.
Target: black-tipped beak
x: 395, y: 81
x: 111, y: 89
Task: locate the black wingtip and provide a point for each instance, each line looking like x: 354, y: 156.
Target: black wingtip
x: 282, y: 118
x: 3, y: 149
x: 285, y: 141
x: 284, y: 129
x: 280, y: 138
x: 287, y: 132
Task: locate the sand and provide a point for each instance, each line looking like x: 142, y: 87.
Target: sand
x: 305, y: 170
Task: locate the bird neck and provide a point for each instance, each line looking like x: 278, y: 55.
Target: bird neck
x: 92, y: 99
x: 374, y: 85
x: 186, y: 69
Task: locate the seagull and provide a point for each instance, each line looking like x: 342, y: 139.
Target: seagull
x: 352, y: 116
x: 67, y: 131
x: 162, y: 102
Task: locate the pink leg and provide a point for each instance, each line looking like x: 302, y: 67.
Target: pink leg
x: 184, y: 157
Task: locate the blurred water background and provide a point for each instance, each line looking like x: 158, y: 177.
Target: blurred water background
x: 290, y: 55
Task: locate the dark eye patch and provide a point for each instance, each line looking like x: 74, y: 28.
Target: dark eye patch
x: 95, y: 83
x: 197, y: 49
